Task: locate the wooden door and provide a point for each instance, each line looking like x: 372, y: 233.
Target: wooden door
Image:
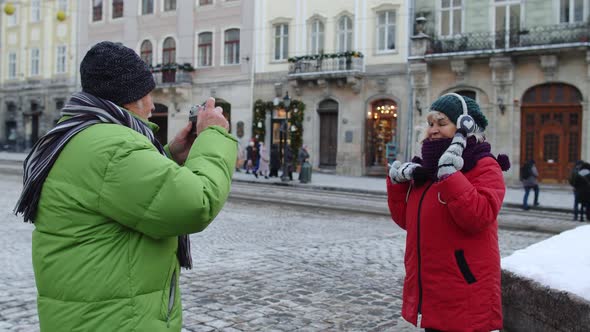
x: 328, y: 138
x: 551, y: 130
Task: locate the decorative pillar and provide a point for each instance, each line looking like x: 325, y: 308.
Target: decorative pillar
x: 504, y: 118
x: 419, y: 81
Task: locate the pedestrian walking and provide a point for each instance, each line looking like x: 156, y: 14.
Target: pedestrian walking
x: 448, y: 202
x: 303, y: 160
x: 113, y: 208
x: 263, y: 167
x: 249, y: 163
x: 529, y: 178
x: 275, y: 161
x: 580, y: 181
x: 288, y: 166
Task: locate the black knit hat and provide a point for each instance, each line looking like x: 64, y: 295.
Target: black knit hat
x: 116, y: 73
x: 451, y: 106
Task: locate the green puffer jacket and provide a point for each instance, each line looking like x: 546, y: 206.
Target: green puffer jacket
x: 105, y: 238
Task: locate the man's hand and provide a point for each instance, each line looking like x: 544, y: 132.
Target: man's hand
x: 181, y: 144
x: 211, y: 116
x: 402, y: 172
x: 451, y: 161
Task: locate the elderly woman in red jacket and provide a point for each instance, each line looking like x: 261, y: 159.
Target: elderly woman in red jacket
x: 448, y: 202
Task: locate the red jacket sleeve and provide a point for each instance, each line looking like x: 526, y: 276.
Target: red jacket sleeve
x: 396, y: 200
x: 474, y: 199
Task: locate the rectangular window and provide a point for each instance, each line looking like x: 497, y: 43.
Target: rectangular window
x: 281, y: 39
x: 205, y: 49
x: 386, y: 31
x: 96, y: 10
x: 450, y: 17
x: 344, y: 34
x: 62, y: 5
x: 169, y: 5
x: 12, y: 65
x: 117, y: 8
x: 35, y: 10
x: 232, y: 47
x: 205, y: 2
x: 147, y: 7
x: 12, y: 20
x: 317, y: 37
x: 571, y: 11
x: 60, y: 67
x: 35, y: 62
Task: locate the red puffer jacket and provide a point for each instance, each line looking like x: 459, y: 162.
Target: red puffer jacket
x: 452, y: 258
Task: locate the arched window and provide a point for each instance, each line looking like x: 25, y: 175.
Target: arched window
x: 205, y: 49
x: 317, y: 37
x: 146, y: 52
x: 344, y: 34
x: 232, y: 46
x: 169, y: 51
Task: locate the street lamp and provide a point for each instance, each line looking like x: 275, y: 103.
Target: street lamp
x: 285, y: 132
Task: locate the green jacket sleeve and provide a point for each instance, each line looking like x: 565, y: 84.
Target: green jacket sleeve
x: 150, y: 193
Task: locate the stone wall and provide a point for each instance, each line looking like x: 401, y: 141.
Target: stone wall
x: 530, y: 306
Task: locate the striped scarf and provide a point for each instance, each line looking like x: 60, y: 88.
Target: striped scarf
x: 84, y: 110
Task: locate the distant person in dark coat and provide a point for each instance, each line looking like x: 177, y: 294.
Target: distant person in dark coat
x: 288, y: 167
x: 302, y: 157
x: 529, y: 178
x: 275, y: 161
x: 580, y: 180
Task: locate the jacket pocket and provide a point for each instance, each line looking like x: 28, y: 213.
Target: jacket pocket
x: 169, y: 294
x: 464, y: 267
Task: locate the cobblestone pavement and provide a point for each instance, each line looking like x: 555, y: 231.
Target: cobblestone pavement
x: 259, y: 267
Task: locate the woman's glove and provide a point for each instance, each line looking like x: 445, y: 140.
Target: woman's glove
x: 399, y: 172
x: 451, y: 160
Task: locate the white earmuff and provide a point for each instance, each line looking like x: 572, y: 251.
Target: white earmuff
x: 464, y: 121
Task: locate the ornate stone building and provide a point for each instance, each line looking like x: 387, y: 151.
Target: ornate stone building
x: 346, y: 61
x: 38, y: 68
x: 526, y: 62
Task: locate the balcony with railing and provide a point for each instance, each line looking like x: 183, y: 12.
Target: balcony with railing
x: 173, y: 74
x: 540, y: 37
x: 335, y: 65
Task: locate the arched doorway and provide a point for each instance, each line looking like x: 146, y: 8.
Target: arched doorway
x: 551, y: 130
x: 328, y: 112
x: 381, y: 128
x: 160, y: 117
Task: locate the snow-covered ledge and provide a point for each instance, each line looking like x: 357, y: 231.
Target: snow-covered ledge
x: 546, y: 287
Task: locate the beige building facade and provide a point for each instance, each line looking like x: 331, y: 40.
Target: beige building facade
x: 346, y: 62
x: 196, y: 48
x: 37, y: 68
x: 526, y: 62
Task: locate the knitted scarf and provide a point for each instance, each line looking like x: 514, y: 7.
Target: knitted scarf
x: 83, y: 110
x: 432, y: 150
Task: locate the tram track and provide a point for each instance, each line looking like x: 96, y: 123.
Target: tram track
x: 510, y: 218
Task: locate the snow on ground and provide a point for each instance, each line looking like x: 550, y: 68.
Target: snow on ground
x: 560, y: 262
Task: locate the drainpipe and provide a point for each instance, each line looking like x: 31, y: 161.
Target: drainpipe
x: 409, y: 143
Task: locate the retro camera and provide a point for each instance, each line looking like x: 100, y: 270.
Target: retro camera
x: 192, y: 116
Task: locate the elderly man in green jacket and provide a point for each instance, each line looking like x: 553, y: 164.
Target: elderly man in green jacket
x: 112, y: 207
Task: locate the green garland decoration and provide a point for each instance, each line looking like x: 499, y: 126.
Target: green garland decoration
x: 296, y: 116
x: 172, y: 66
x: 320, y: 56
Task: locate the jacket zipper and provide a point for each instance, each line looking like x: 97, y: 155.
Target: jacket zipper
x: 171, y: 297
x: 420, y: 257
